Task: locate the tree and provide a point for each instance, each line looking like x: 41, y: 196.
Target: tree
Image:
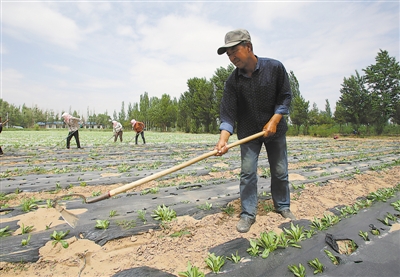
x: 218, y: 80
x: 299, y: 107
x: 122, y: 114
x: 383, y: 81
x: 355, y: 101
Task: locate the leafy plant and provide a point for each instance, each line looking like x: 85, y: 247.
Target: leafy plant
x: 375, y: 231
x: 126, y: 224
x: 27, y: 229
x: 316, y: 265
x: 58, y: 236
x: 29, y: 204
x: 150, y: 190
x: 4, y: 232
x: 229, y: 209
x: 192, y: 271
x: 113, y: 213
x: 206, y: 206
x: 298, y: 271
x: 163, y: 213
x: 96, y: 193
x: 269, y: 241
x: 181, y: 233
x: 102, y: 224
x: 317, y: 224
x: 295, y: 233
x: 215, y: 262
x: 364, y: 235
x: 332, y: 257
x: 396, y: 205
x: 234, y: 258
x: 391, y: 217
x: 385, y: 221
x: 254, y: 249
x: 329, y: 220
x: 268, y: 207
x: 142, y: 216
x: 26, y: 241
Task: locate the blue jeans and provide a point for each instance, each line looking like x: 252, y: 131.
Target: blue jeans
x: 277, y: 157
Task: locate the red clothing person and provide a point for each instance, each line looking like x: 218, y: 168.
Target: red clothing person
x: 139, y: 129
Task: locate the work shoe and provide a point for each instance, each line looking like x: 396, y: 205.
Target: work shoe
x: 244, y: 224
x: 287, y: 214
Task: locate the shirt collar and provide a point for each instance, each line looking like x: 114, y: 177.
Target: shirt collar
x: 241, y: 72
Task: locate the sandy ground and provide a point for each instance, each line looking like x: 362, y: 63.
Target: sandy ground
x: 157, y: 249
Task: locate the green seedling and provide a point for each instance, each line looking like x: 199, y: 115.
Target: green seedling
x: 26, y: 241
x: 268, y: 207
x: 310, y: 233
x: 229, y: 210
x: 150, y: 190
x: 26, y: 229
x: 316, y: 265
x: 364, y: 235
x: 142, y: 216
x: 254, y: 249
x: 391, y: 217
x: 29, y: 204
x: 329, y: 220
x: 283, y: 241
x: 181, y: 233
x: 295, y: 233
x: 113, y: 213
x: 127, y: 224
x: 298, y: 271
x: 48, y: 226
x: 206, y: 206
x: 163, y: 213
x: 58, y: 236
x: 317, y: 224
x: 385, y: 221
x: 96, y: 193
x: 83, y: 184
x: 332, y: 257
x: 396, y: 205
x: 269, y: 241
x: 234, y: 258
x: 215, y: 262
x: 49, y: 203
x: 4, y: 232
x: 192, y: 271
x: 102, y: 224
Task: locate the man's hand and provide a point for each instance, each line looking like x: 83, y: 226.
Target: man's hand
x: 222, y: 144
x: 270, y: 127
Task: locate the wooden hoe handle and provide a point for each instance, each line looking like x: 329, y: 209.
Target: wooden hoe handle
x: 169, y: 170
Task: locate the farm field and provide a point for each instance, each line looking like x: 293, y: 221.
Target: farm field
x: 327, y: 177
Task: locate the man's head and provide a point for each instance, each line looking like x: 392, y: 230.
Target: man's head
x: 133, y: 122
x: 234, y: 38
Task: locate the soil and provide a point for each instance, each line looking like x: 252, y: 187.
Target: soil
x: 157, y: 249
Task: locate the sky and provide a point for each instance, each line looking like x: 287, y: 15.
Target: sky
x: 90, y: 56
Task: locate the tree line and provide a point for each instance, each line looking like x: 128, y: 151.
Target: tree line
x: 368, y: 103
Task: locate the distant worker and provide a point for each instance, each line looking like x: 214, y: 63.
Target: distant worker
x: 139, y: 129
x: 118, y: 130
x: 73, y: 127
x: 1, y: 129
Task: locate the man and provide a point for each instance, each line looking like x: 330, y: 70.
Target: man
x: 256, y: 96
x: 117, y: 130
x: 1, y: 129
x: 139, y: 129
x: 73, y: 127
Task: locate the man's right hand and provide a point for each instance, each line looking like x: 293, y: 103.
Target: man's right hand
x: 222, y: 144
